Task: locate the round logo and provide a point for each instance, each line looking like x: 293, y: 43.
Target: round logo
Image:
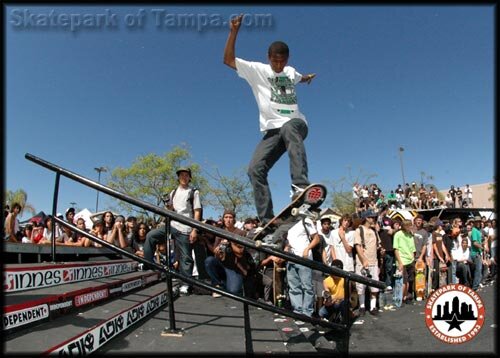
x: 454, y: 313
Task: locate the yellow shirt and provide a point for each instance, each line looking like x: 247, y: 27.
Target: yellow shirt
x: 335, y: 286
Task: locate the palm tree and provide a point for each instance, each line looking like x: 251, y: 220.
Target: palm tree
x: 19, y: 196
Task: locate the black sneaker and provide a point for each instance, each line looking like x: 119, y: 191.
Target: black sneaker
x: 374, y: 312
x: 361, y: 312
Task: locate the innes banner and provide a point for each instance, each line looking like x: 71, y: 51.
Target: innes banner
x: 92, y: 340
x: 52, y: 276
x: 25, y: 316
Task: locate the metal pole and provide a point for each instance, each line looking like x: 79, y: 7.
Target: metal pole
x: 54, y: 214
x: 99, y: 170
x: 401, y: 150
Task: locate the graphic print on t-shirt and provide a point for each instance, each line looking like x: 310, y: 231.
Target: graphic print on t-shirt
x: 282, y: 90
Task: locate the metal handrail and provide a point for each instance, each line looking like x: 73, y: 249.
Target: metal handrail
x: 171, y: 215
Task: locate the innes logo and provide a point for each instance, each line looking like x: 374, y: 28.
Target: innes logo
x: 38, y: 278
x: 25, y: 316
x: 454, y: 314
x: 91, y: 297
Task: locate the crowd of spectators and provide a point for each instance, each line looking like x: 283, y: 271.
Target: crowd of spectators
x: 367, y: 242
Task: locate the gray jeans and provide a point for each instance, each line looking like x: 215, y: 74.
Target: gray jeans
x: 289, y: 138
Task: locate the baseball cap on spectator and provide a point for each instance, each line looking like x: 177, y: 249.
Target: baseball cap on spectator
x: 70, y: 210
x: 184, y: 169
x: 478, y: 218
x: 59, y: 215
x: 368, y: 214
x: 325, y: 218
x: 131, y: 218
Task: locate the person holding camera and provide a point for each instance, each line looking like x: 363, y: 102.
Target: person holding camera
x: 232, y: 266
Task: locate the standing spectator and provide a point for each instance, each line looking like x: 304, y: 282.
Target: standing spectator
x: 441, y: 254
x: 367, y: 243
x: 460, y: 198
x: 116, y: 235
x: 476, y: 252
x: 184, y: 200
x: 463, y: 262
x: 343, y: 241
x: 76, y: 238
x: 407, y: 194
x: 392, y: 199
x: 426, y: 252
x: 453, y: 194
x: 11, y: 224
x: 492, y: 238
x: 468, y: 195
x: 404, y: 251
x: 386, y: 234
x: 422, y: 197
x: 98, y: 231
x: 327, y: 241
x: 414, y: 202
x: 356, y: 193
x: 131, y: 229
x: 302, y: 238
x: 448, y: 200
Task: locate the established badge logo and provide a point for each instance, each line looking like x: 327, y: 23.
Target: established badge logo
x: 454, y: 313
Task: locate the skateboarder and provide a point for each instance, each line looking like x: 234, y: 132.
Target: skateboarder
x: 283, y: 126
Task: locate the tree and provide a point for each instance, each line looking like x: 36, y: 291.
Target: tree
x: 230, y: 192
x: 21, y: 197
x: 151, y: 177
x: 341, y: 191
x: 492, y: 198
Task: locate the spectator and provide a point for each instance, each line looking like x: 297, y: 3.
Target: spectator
x: 459, y: 193
x: 327, y: 241
x: 232, y: 266
x: 76, y: 238
x: 302, y: 238
x: 249, y: 224
x: 47, y: 232
x: 386, y: 240
x: 468, y: 196
x: 184, y: 200
x: 109, y: 221
x: 334, y: 302
x: 414, y: 202
x: 463, y: 262
x: 11, y: 224
x: 28, y: 230
x: 343, y: 242
x: 453, y: 194
x: 367, y: 243
x: 139, y: 239
x: 476, y: 252
x: 131, y: 229
x: 404, y: 252
x: 116, y: 235
x: 448, y: 200
x: 70, y: 215
x: 98, y: 231
x: 441, y: 254
x: 392, y: 200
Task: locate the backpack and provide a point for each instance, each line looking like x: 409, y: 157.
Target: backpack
x: 190, y: 200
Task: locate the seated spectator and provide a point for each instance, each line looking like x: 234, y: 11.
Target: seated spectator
x: 131, y: 228
x: 77, y: 239
x: 97, y: 230
x: 70, y: 215
x: 47, y: 232
x: 28, y: 230
x: 116, y: 235
x: 140, y: 239
x: 109, y: 221
x: 333, y: 294
x: 37, y: 233
x: 232, y: 266
x: 11, y: 224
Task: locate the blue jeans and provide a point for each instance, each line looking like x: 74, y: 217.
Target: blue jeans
x: 231, y: 280
x: 156, y: 236
x: 300, y: 288
x: 477, y: 264
x: 290, y: 137
x: 327, y: 311
x: 454, y: 278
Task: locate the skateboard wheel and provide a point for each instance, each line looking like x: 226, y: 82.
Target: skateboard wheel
x: 295, y: 212
x: 258, y: 243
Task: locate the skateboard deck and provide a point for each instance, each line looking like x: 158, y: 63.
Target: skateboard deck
x: 443, y: 274
x: 397, y: 296
x: 278, y: 287
x: 420, y: 280
x: 310, y: 198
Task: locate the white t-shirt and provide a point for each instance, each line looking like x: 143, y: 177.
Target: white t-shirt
x: 328, y: 242
x: 299, y: 239
x: 274, y: 92
x: 342, y: 255
x: 182, y: 206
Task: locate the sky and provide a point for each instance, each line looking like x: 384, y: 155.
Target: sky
x: 102, y: 85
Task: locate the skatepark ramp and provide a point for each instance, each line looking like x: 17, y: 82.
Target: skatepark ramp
x: 149, y: 298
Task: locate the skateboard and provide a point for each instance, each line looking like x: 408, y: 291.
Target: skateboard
x: 278, y: 289
x: 309, y: 199
x: 420, y: 280
x: 397, y: 294
x: 443, y: 274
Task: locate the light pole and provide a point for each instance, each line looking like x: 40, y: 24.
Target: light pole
x: 401, y: 150
x: 99, y: 170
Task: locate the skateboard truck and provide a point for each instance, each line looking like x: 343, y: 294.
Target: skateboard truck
x: 304, y: 211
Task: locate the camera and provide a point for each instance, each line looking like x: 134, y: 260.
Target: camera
x: 366, y: 273
x: 225, y: 248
